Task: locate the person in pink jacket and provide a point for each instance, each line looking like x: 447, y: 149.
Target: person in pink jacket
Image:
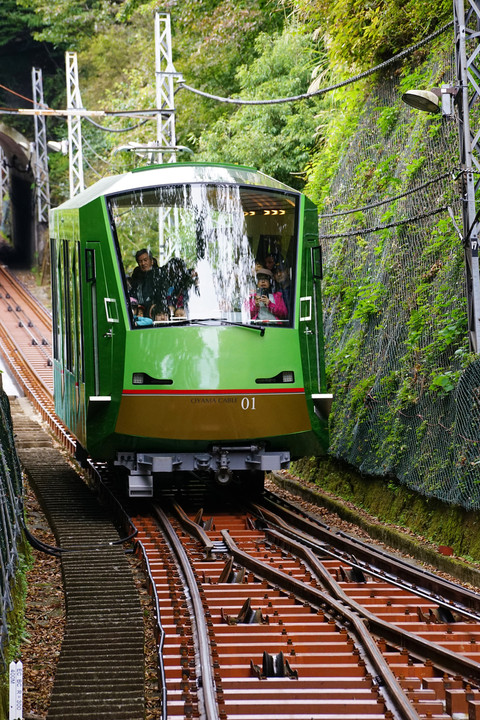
x: 265, y: 304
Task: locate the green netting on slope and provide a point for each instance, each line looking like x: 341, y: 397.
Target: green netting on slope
x: 406, y: 389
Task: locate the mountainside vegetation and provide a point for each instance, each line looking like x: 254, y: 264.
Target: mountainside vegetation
x: 384, y: 177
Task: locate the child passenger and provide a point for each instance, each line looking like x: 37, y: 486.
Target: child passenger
x: 138, y: 312
x: 265, y: 304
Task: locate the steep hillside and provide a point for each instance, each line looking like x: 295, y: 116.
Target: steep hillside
x: 406, y: 388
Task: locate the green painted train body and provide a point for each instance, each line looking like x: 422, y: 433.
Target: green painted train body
x: 212, y: 382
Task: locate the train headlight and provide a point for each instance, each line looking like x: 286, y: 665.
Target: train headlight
x: 142, y: 378
x: 286, y: 376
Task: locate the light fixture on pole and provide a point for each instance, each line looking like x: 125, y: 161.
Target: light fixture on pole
x: 432, y: 101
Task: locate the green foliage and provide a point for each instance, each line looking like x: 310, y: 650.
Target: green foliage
x: 387, y: 119
x: 278, y: 138
x: 66, y: 22
x: 344, y: 115
x: 14, y: 23
x: 370, y: 298
x: 360, y: 34
x: 445, y: 381
x: 360, y: 392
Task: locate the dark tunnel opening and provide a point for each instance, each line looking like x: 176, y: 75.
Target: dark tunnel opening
x: 17, y: 227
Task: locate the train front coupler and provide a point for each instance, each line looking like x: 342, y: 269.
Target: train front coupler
x: 223, y: 461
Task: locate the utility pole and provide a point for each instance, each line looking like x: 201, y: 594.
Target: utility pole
x: 166, y: 141
x: 40, y: 166
x: 467, y: 28
x: 74, y: 102
x: 165, y: 99
x: 41, y: 151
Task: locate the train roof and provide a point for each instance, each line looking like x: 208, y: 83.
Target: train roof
x: 175, y: 174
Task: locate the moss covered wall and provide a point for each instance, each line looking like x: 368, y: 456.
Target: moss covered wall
x: 406, y: 388
x: 343, y: 490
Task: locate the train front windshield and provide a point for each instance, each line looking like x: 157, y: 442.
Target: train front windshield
x: 207, y: 253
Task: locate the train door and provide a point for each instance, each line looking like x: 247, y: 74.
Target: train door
x: 74, y: 305
x: 103, y: 321
x: 67, y: 333
x: 311, y: 317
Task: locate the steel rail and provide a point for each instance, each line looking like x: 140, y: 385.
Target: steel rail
x: 444, y: 659
x: 358, y: 550
x: 204, y: 666
x: 319, y: 547
x: 161, y: 632
x: 38, y: 340
x: 40, y: 398
x: 40, y: 311
x: 317, y: 598
x: 193, y: 528
x: 35, y: 318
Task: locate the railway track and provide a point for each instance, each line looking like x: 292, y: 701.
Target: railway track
x: 263, y: 612
x: 298, y: 631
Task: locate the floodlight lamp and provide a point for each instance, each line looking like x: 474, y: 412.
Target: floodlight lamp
x: 58, y: 146
x: 426, y: 100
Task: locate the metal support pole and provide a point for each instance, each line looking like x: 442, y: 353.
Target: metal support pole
x: 74, y: 101
x: 41, y: 150
x: 467, y: 26
x: 4, y: 192
x: 165, y: 99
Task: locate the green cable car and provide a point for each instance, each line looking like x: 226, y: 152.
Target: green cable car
x: 188, y: 324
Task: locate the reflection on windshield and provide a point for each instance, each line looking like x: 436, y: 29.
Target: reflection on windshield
x: 198, y: 252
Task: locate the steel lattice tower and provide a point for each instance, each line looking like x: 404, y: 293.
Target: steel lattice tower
x: 467, y: 33
x: 41, y: 151
x: 164, y: 74
x: 74, y: 102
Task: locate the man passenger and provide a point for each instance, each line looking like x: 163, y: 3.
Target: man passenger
x: 148, y: 285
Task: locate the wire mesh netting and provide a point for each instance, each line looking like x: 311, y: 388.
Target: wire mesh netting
x: 406, y: 388
x: 10, y: 526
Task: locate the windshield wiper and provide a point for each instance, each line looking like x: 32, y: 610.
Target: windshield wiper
x: 223, y: 321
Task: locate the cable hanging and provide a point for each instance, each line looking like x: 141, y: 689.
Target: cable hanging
x: 120, y: 130
x: 390, y: 199
x: 376, y: 228
x: 321, y: 91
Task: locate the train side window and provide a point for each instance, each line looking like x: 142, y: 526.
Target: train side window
x: 90, y: 273
x: 67, y: 308
x: 317, y: 264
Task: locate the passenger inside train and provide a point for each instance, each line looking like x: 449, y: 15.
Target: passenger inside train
x: 208, y: 240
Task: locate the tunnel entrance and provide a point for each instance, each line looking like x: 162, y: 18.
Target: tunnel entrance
x: 17, y: 206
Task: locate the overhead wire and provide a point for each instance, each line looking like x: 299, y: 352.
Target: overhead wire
x: 377, y: 228
x: 239, y: 101
x: 321, y: 91
x: 4, y: 87
x: 390, y: 199
x: 118, y: 130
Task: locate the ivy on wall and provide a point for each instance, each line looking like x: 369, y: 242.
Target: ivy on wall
x: 398, y: 359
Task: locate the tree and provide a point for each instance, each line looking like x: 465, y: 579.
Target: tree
x: 277, y: 138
